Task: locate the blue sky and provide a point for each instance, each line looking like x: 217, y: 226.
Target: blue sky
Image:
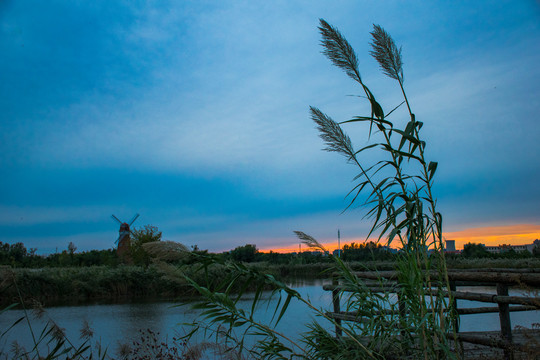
x: 195, y: 115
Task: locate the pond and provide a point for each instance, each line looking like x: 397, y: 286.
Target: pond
x: 116, y: 324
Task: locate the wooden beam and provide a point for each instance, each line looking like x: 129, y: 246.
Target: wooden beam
x: 487, y: 339
x: 493, y: 298
x: 394, y: 288
x: 353, y: 315
x: 463, y: 295
x: 500, y: 270
x: 509, y: 278
x: 493, y: 309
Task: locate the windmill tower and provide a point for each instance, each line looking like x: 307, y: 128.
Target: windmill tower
x: 124, y: 239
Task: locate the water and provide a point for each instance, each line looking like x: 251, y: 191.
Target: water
x: 114, y: 324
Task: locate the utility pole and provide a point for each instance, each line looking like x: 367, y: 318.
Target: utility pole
x: 338, y: 244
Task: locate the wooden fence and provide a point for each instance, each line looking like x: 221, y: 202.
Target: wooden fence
x: 502, y: 279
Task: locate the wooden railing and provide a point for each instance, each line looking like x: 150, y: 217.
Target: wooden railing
x: 501, y: 278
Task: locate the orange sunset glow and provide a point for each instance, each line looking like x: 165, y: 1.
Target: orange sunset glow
x: 517, y: 234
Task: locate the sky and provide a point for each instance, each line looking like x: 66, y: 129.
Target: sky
x: 195, y: 114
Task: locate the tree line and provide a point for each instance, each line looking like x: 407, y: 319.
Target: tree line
x: 17, y: 255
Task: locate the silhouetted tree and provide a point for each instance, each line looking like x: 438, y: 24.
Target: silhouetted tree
x: 148, y: 233
x: 536, y: 248
x: 473, y: 250
x: 71, y: 248
x: 246, y: 253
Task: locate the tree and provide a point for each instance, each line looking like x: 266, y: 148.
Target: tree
x: 71, y: 248
x: 366, y: 251
x: 17, y: 252
x: 146, y: 234
x: 246, y: 253
x: 473, y: 250
x: 536, y: 248
x: 4, y: 252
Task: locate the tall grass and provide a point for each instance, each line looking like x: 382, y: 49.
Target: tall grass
x: 397, y: 191
x: 80, y: 284
x: 53, y: 285
x: 400, y: 200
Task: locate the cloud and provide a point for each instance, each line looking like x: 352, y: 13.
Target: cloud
x: 32, y: 215
x: 190, y: 110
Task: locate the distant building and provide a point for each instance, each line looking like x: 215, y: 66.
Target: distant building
x: 450, y: 246
x: 517, y: 248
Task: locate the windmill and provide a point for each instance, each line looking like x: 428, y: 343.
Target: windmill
x: 124, y: 238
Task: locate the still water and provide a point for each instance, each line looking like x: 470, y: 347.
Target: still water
x: 114, y: 324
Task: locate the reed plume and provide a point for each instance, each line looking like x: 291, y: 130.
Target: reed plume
x: 86, y: 331
x: 338, y: 50
x: 309, y: 240
x: 332, y: 134
x: 166, y: 250
x: 386, y: 53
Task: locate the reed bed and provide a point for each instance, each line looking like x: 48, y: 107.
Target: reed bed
x: 60, y: 285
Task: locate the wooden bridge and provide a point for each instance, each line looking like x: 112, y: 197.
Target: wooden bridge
x: 501, y: 344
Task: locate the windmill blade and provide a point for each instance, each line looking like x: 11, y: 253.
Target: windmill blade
x: 133, y: 220
x: 117, y: 219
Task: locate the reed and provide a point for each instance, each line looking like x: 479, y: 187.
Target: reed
x: 397, y: 191
x: 54, y: 285
x: 399, y: 201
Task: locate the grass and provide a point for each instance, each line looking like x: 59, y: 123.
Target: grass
x: 50, y: 285
x: 166, y: 281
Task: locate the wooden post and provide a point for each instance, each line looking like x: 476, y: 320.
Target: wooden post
x: 335, y: 301
x: 504, y: 317
x: 402, y: 321
x: 454, y: 306
x: 402, y: 312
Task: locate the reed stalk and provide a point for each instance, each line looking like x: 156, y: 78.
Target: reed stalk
x: 400, y: 202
